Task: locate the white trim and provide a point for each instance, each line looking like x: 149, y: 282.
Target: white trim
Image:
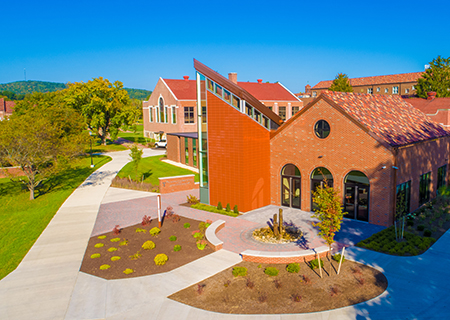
x: 297, y: 98
x: 435, y: 114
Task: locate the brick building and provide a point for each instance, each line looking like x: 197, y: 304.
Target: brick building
x: 171, y: 107
x: 438, y: 109
x: 6, y: 108
x: 402, y: 84
x: 379, y: 151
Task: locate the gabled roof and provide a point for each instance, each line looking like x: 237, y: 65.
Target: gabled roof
x: 389, y: 118
x: 268, y: 91
x: 429, y: 106
x: 182, y: 89
x: 368, y: 81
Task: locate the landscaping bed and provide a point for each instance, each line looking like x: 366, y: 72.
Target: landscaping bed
x: 302, y: 292
x: 129, y: 246
x: 421, y: 230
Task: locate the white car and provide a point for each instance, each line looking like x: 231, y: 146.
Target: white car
x: 161, y: 144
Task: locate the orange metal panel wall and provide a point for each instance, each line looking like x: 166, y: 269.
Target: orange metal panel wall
x: 239, y: 158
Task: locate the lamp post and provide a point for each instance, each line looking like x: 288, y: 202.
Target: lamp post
x: 90, y: 139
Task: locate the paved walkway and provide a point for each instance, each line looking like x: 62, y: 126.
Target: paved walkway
x: 48, y: 285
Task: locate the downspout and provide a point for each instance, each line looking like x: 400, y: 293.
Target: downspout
x: 394, y: 181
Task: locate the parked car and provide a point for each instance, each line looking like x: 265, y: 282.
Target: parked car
x: 161, y: 144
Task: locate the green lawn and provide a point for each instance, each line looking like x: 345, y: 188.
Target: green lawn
x: 110, y: 146
x: 23, y: 220
x: 137, y: 137
x: 152, y: 169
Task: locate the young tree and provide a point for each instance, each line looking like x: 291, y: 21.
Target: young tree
x: 329, y: 212
x: 341, y: 83
x: 436, y: 78
x: 104, y: 106
x: 39, y: 139
x: 136, y: 155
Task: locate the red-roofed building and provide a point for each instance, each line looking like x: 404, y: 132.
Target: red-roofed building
x: 382, y: 154
x: 437, y: 109
x: 6, y: 108
x: 402, y: 84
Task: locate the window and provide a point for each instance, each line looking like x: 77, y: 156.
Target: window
x: 394, y: 90
x: 150, y: 114
x: 378, y: 89
x: 424, y: 188
x: 386, y: 90
x: 161, y: 110
x: 403, y: 199
x: 203, y: 114
x: 266, y: 122
x: 188, y: 114
x: 314, y: 94
x: 282, y: 112
x: 218, y: 90
x: 406, y: 90
x: 210, y: 85
x: 249, y: 110
x: 322, y: 129
x: 235, y: 102
x: 166, y: 114
x: 370, y: 90
x: 226, y: 96
x: 413, y: 88
x: 257, y: 116
x: 186, y: 151
x: 174, y: 115
x: 295, y: 110
x: 442, y: 176
x: 194, y: 152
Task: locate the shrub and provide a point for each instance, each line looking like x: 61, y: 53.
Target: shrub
x: 409, y: 223
x: 357, y: 270
x: 271, y: 271
x: 124, y: 242
x: 423, y: 246
x: 95, y: 255
x: 175, y: 218
x: 427, y: 233
x: 101, y: 237
x: 250, y: 284
x: 293, y: 267
x: 116, y: 229
x: 115, y: 240
x: 200, y: 288
x: 198, y: 235
x: 305, y: 279
x: 337, y: 257
x: 112, y: 249
x: 139, y: 230
x: 155, y: 231
x: 262, y: 297
x: 334, y: 291
x: 219, y: 206
x: 148, y: 245
x: 202, y: 226
x: 186, y: 225
x: 201, y: 244
x: 173, y: 238
x: 228, y: 208
x: 176, y: 248
x: 128, y: 271
x: 239, y: 271
x: 296, y: 297
x: 115, y: 258
x: 393, y: 251
x: 135, y: 256
x: 99, y: 245
x: 361, y: 281
x: 161, y: 259
x: 105, y: 267
x: 314, y: 264
x: 146, y: 220
x: 420, y: 227
x: 192, y: 199
x: 226, y: 283
x: 235, y: 209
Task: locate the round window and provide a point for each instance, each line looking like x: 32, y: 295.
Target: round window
x: 322, y: 129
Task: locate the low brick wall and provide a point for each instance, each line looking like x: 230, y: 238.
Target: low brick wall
x: 178, y: 183
x: 284, y: 257
x: 214, y: 242
x: 14, y: 171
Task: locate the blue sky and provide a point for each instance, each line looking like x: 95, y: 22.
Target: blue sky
x: 294, y: 42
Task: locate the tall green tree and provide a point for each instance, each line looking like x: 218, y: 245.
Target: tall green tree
x: 436, y: 78
x: 341, y: 83
x: 329, y: 212
x: 41, y: 138
x: 105, y: 106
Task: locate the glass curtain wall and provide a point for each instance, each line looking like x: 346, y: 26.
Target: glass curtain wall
x: 202, y: 129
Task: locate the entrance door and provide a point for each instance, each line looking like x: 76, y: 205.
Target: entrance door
x: 356, y: 198
x: 291, y: 186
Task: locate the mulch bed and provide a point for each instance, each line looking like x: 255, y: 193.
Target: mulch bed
x: 286, y: 292
x: 145, y: 265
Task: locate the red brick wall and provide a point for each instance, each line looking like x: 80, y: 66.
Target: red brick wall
x: 175, y: 184
x: 347, y: 148
x: 15, y: 172
x: 239, y: 158
x: 173, y: 148
x: 421, y: 158
x: 442, y: 116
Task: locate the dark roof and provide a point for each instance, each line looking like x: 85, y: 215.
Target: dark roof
x: 193, y: 135
x: 390, y: 118
x: 369, y: 81
x: 237, y: 90
x: 429, y: 106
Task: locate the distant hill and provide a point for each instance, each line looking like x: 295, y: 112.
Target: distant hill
x: 24, y: 87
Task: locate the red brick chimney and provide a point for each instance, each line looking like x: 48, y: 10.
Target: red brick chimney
x: 431, y: 95
x: 232, y: 76
x: 259, y: 80
x: 186, y: 78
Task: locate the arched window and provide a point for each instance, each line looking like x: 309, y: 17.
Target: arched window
x: 291, y: 186
x: 318, y: 178
x: 161, y: 110
x: 356, y: 196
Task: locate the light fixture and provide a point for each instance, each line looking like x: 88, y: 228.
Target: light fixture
x: 394, y: 167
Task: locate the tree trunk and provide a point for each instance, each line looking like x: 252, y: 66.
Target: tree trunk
x: 31, y: 188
